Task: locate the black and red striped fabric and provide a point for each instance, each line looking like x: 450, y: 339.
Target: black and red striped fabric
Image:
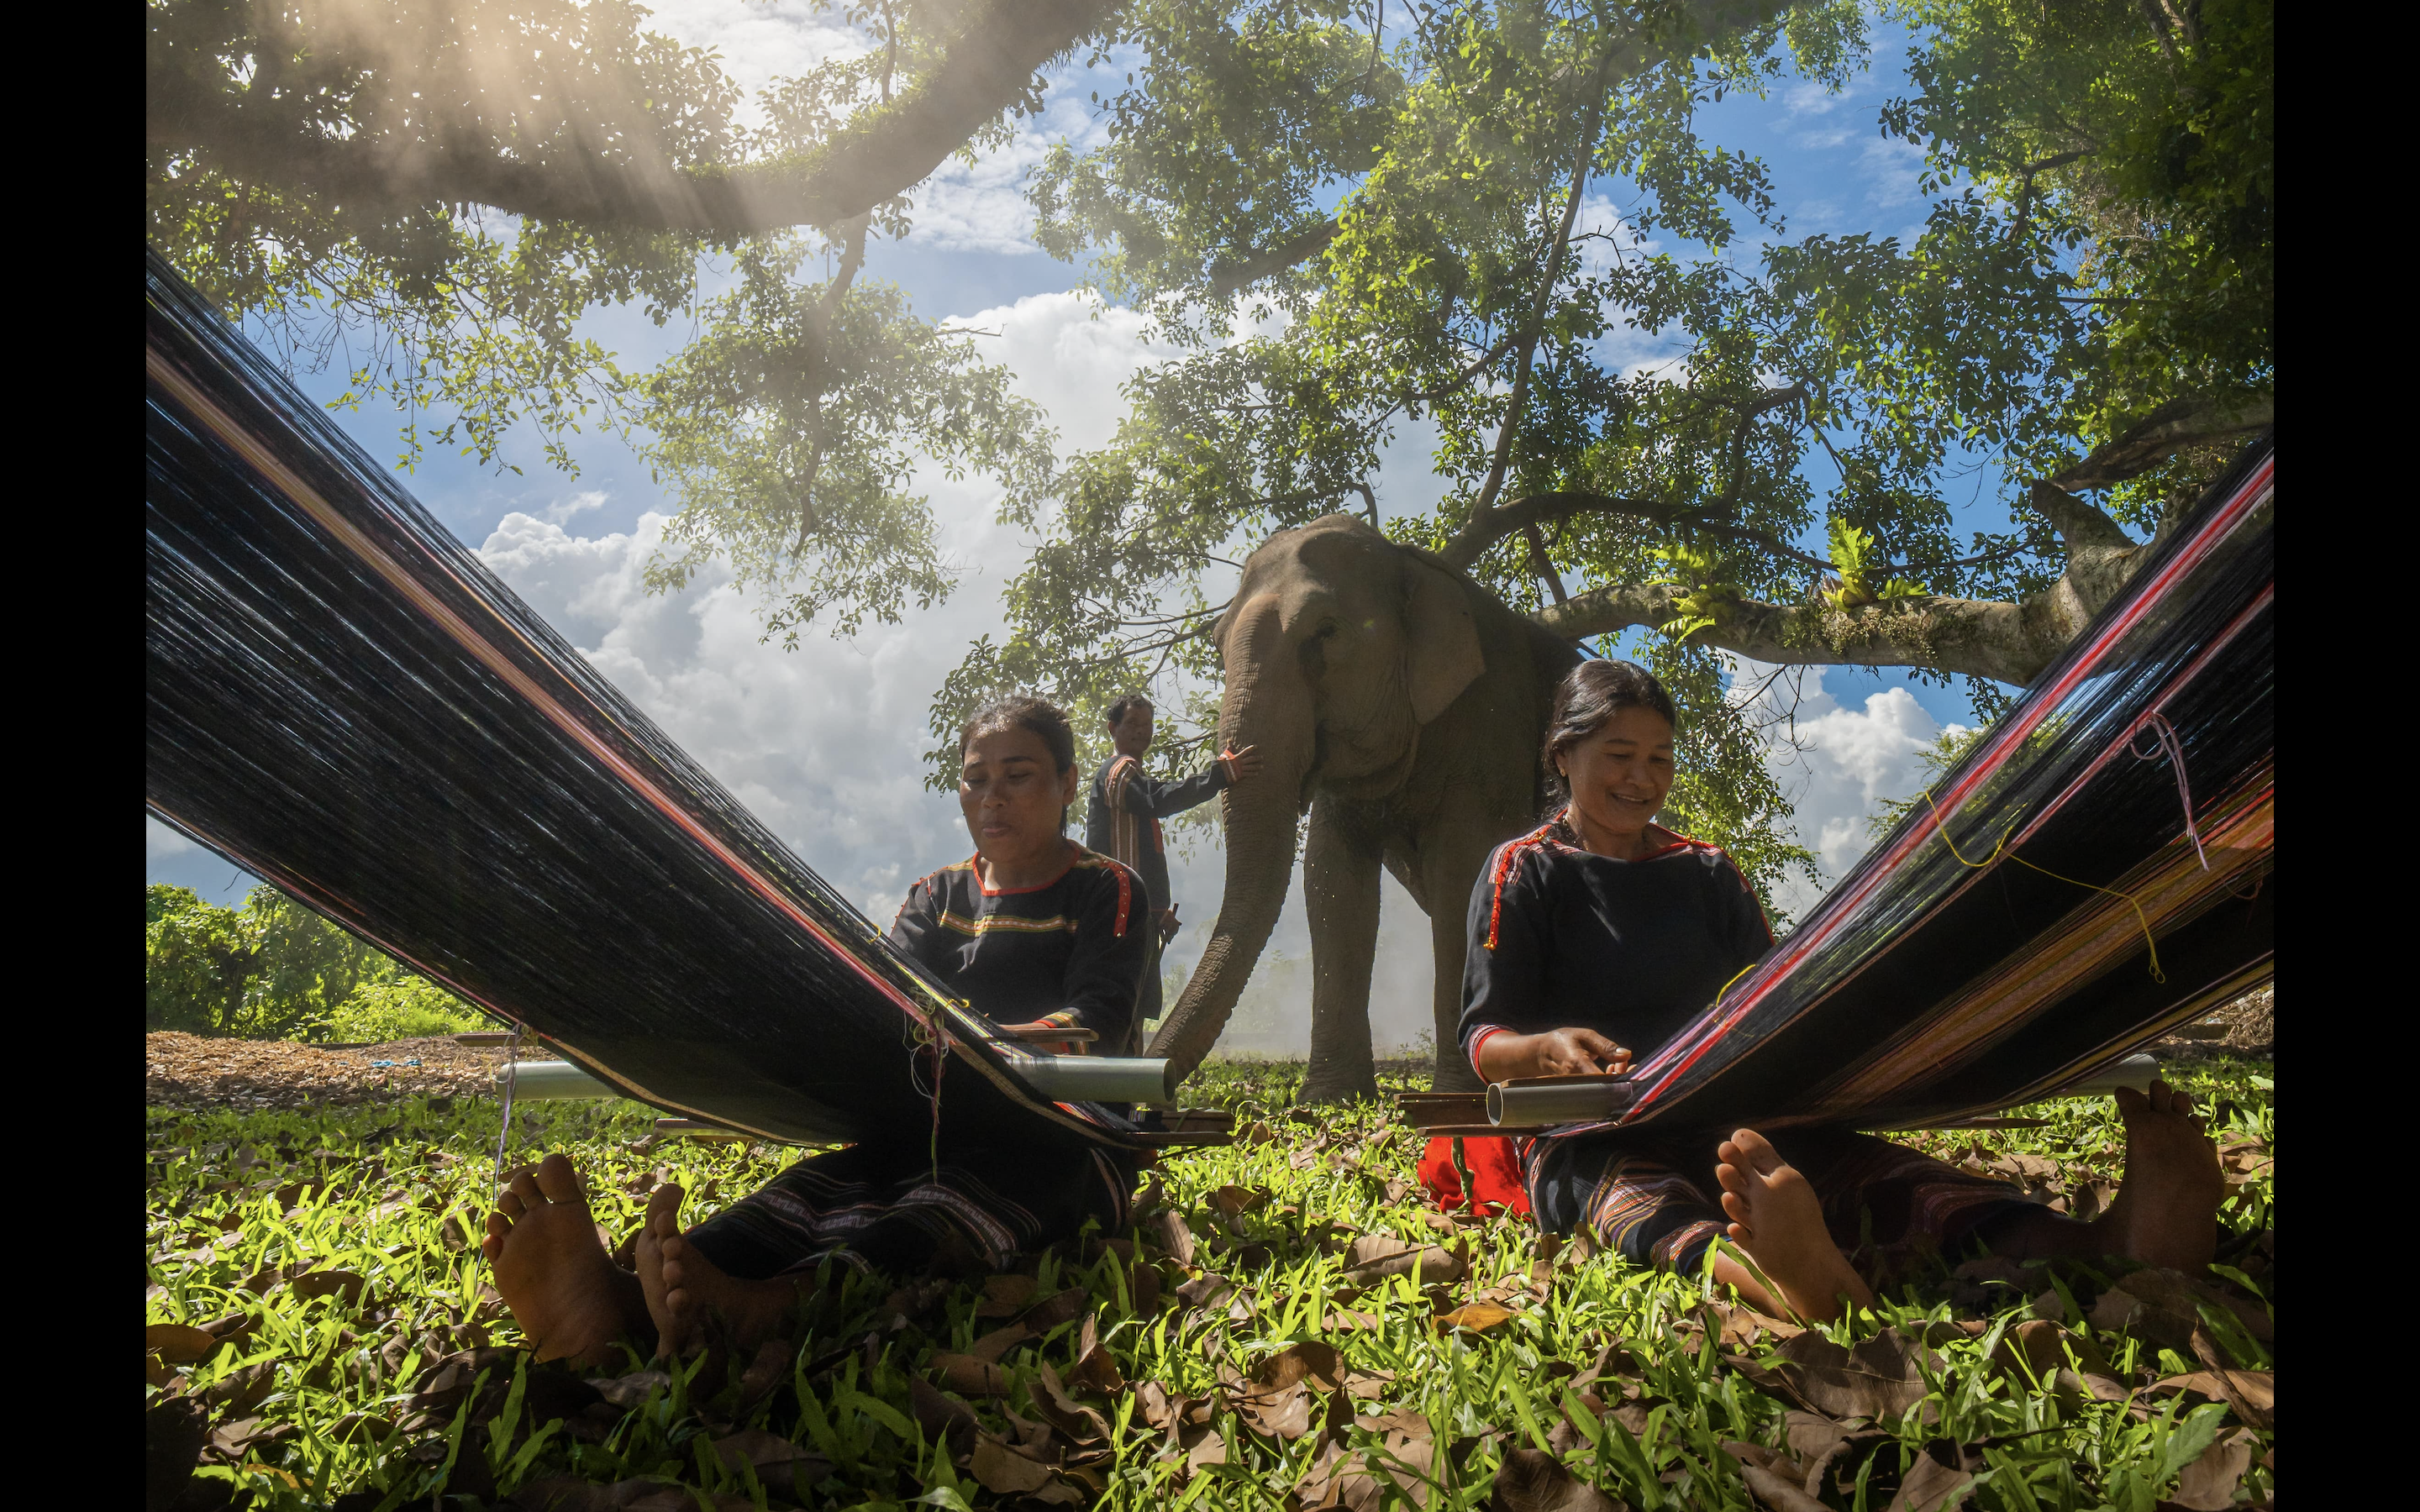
x: 343, y: 700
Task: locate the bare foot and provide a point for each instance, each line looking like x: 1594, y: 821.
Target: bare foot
x: 1777, y: 1219
x: 564, y: 1291
x: 2165, y: 1213
x: 685, y: 1291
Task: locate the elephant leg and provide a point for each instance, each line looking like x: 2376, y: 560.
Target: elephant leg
x: 1339, y: 884
x: 1452, y: 865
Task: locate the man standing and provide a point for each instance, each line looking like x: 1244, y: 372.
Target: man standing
x: 1123, y: 822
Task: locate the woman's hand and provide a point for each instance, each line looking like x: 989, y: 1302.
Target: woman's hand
x: 1555, y: 1053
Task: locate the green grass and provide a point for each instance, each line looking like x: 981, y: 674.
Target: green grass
x: 237, y: 1207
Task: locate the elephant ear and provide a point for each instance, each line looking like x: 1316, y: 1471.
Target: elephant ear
x: 1441, y: 654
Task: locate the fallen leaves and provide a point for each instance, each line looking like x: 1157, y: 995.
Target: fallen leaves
x: 1879, y: 1378
x: 1531, y: 1480
x: 1373, y: 1257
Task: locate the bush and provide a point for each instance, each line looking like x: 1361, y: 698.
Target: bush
x: 401, y: 1008
x: 276, y: 970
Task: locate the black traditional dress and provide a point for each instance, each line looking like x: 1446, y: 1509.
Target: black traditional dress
x: 1561, y: 937
x: 1068, y: 952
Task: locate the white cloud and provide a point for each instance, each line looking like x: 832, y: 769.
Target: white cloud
x: 562, y: 510
x: 161, y: 843
x: 1891, y: 168
x: 1848, y: 761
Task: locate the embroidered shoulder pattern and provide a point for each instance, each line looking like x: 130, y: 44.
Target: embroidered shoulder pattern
x: 1095, y: 861
x: 1508, y: 862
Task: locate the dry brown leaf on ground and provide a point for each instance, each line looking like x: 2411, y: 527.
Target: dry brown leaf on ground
x: 1373, y: 1257
x: 1095, y: 1370
x: 1937, y: 1482
x: 1774, y: 1478
x: 999, y: 1467
x: 1735, y: 1325
x: 782, y: 1466
x: 1478, y: 1317
x: 1879, y: 1378
x: 632, y: 1389
x: 1168, y: 1229
x: 945, y: 1417
x: 1081, y: 1423
x: 1006, y: 1296
x: 1211, y: 1449
x: 1234, y: 1201
x: 1060, y: 1307
x: 2208, y: 1485
x: 766, y: 1371
x: 993, y: 1345
x: 568, y: 1493
x: 348, y: 1284
x: 178, y: 1343
x: 1530, y: 1480
x: 972, y: 1377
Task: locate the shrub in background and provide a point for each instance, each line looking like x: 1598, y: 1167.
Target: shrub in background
x: 274, y: 970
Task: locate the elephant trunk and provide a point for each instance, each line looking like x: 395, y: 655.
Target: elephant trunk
x: 1268, y: 706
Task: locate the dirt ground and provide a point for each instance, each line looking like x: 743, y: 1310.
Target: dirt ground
x: 2246, y: 1026
x: 190, y: 1071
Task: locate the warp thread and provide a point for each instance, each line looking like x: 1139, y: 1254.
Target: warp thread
x: 2150, y: 941
x: 512, y: 1074
x: 2164, y: 739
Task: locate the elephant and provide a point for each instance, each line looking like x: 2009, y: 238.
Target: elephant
x: 1402, y: 705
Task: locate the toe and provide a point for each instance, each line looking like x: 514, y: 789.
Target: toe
x: 1732, y: 1177
x: 558, y: 1179
x: 663, y: 1211
x: 509, y: 1206
x: 524, y: 1187
x: 1736, y: 1205
x: 1756, y: 1152
x: 2132, y: 1103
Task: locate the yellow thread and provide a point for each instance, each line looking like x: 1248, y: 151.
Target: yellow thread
x: 2150, y: 941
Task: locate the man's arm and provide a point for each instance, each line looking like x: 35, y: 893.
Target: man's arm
x: 1146, y: 794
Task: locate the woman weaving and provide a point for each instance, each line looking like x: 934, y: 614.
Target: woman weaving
x: 1035, y: 933
x: 1599, y: 936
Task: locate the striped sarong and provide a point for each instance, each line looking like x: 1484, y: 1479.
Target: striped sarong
x: 887, y: 1207
x: 1651, y: 1195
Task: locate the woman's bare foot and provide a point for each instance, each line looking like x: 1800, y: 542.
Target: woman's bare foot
x: 1777, y: 1219
x: 564, y: 1291
x: 2165, y: 1213
x: 684, y: 1289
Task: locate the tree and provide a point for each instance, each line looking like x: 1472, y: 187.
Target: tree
x: 456, y: 185
x: 2087, y: 311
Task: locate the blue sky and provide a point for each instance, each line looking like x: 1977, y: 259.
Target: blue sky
x: 823, y: 742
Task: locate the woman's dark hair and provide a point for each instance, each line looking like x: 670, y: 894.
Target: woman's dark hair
x: 1023, y: 712
x: 1588, y: 695
x: 1118, y: 711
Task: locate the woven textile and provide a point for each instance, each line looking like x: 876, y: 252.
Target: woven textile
x: 344, y: 700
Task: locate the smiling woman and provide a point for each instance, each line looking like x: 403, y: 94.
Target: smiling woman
x: 1598, y: 938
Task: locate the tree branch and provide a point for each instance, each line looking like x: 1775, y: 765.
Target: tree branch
x: 2165, y: 431
x: 881, y: 152
x: 1983, y: 638
x: 1227, y: 278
